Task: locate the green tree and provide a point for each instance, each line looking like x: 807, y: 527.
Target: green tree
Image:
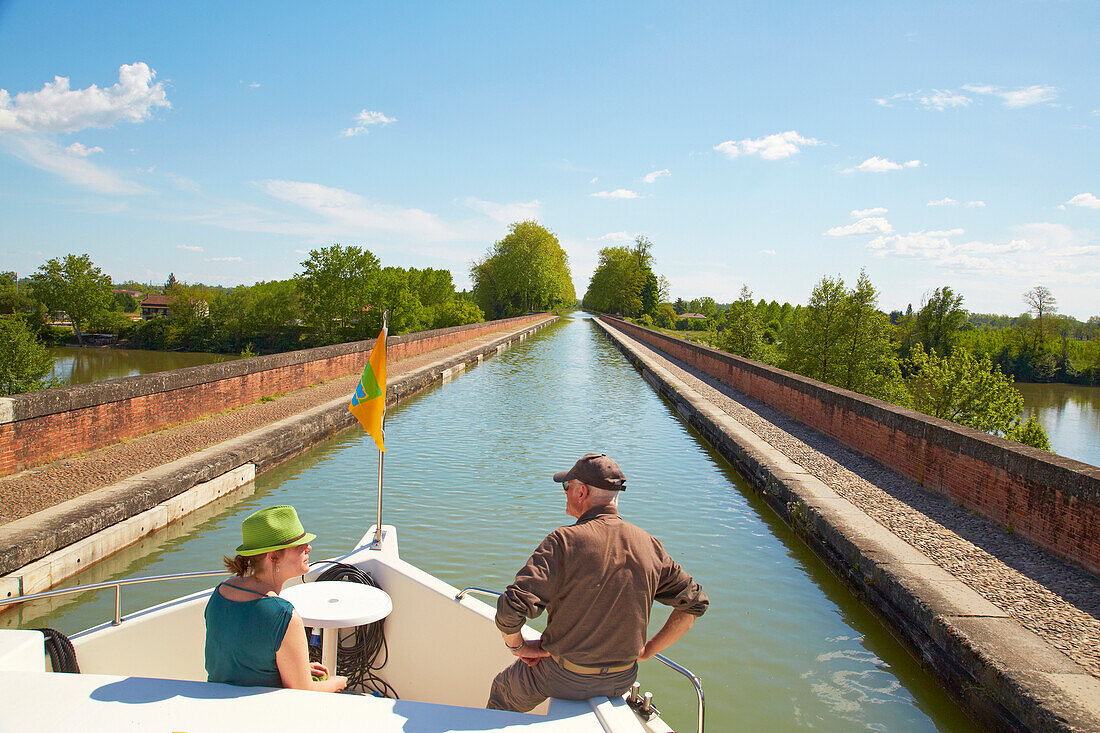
x: 869, y: 364
x: 527, y: 270
x: 616, y: 284
x: 970, y: 391
x: 336, y: 287
x: 24, y: 361
x: 1042, y: 304
x: 841, y: 338
x: 74, y: 286
x: 939, y: 320
x: 743, y: 330
x: 457, y: 312
x: 666, y: 316
x: 814, y: 340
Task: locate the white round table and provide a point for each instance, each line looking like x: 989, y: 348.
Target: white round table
x: 332, y: 605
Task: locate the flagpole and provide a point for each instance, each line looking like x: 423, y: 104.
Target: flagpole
x: 377, y: 545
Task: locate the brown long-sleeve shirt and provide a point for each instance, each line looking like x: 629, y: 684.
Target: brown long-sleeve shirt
x: 598, y: 579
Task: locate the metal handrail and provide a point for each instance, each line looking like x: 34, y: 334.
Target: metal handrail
x: 474, y: 589
x: 695, y: 681
x: 116, y: 584
x: 694, y: 678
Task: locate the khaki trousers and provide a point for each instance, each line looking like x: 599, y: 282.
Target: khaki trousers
x: 520, y: 688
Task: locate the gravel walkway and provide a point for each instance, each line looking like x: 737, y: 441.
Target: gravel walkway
x: 1057, y: 601
x: 44, y: 486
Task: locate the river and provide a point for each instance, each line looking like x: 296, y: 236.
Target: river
x: 75, y: 365
x: 784, y: 645
x: 1071, y: 415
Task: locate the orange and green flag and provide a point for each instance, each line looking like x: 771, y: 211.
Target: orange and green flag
x: 368, y: 404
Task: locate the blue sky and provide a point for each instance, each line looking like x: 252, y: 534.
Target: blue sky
x: 758, y: 144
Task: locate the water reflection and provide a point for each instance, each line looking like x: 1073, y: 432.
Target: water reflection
x: 74, y: 365
x: 1071, y: 415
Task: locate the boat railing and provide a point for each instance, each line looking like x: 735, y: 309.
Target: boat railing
x: 692, y: 677
x: 116, y: 584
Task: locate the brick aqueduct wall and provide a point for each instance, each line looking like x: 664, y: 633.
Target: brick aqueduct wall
x: 1051, y: 500
x: 39, y: 427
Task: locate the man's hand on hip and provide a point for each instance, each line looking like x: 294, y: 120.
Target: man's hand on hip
x: 531, y: 653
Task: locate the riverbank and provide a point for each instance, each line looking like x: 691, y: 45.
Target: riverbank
x: 63, y: 502
x: 1011, y: 630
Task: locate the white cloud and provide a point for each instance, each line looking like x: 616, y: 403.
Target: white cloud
x: 615, y: 237
x: 937, y: 99
x: 875, y: 164
x: 506, y: 213
x: 618, y: 193
x: 975, y: 204
x: 945, y: 201
x: 347, y: 212
x: 254, y: 85
x: 72, y: 166
x: 82, y: 150
x: 366, y: 119
x: 57, y: 108
x: 773, y: 147
x: 768, y: 252
x: 225, y: 259
x: 594, y: 180
x: 1016, y: 98
x: 189, y: 248
x: 651, y: 177
x: 863, y: 213
x: 867, y: 225
x: 1086, y: 200
x: 1040, y: 250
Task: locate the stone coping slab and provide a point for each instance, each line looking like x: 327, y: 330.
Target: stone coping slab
x: 1006, y: 676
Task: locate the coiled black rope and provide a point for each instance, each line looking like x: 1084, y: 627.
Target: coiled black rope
x: 357, y: 655
x: 61, y: 651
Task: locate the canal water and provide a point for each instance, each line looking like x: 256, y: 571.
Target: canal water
x: 74, y: 365
x: 784, y: 645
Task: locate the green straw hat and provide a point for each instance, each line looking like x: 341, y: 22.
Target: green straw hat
x: 271, y: 529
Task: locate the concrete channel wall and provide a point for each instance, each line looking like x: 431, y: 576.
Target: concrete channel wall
x: 1008, y: 678
x: 1051, y: 500
x: 39, y: 427
x: 41, y: 550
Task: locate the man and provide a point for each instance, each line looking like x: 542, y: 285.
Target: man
x: 598, y: 579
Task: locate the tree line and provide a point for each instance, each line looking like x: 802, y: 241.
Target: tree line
x: 939, y: 360
x: 339, y: 295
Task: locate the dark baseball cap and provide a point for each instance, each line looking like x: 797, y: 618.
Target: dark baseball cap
x: 595, y: 469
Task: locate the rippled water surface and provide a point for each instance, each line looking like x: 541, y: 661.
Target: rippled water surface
x: 1071, y: 415
x: 784, y: 646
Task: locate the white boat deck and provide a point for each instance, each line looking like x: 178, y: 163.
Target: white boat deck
x: 148, y: 674
x: 94, y: 703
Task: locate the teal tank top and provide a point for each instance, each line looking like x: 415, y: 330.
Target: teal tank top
x: 242, y: 638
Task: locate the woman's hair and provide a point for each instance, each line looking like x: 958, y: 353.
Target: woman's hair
x: 241, y: 565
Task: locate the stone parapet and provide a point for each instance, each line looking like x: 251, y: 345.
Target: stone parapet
x: 43, y: 426
x: 1051, y: 500
x: 1008, y: 678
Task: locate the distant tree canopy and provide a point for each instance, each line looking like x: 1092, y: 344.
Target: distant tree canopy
x: 939, y: 360
x: 624, y: 282
x: 526, y: 271
x: 74, y: 286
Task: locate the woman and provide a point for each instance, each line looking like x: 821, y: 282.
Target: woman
x: 254, y: 637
